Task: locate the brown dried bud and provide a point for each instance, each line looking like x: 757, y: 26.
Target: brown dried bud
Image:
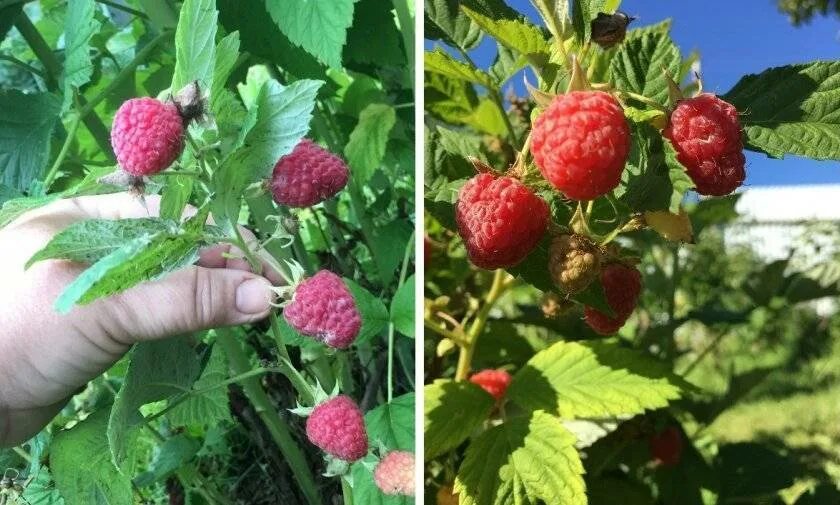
x: 574, y: 262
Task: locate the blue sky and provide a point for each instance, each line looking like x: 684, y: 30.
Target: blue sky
x: 751, y: 36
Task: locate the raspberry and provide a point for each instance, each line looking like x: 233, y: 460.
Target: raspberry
x: 581, y: 143
x: 337, y: 427
x: 666, y: 447
x: 622, y: 285
x: 706, y: 134
x: 147, y: 136
x: 574, y: 262
x: 394, y: 475
x: 308, y: 176
x: 323, y: 308
x: 500, y: 220
x: 494, y: 382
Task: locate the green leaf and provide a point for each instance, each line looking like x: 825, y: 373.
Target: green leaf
x: 227, y: 52
x: 452, y: 411
x: 157, y: 371
x: 524, y: 460
x: 210, y: 407
x: 374, y: 37
x: 392, y: 423
x: 594, y: 380
x: 91, y: 240
x: 26, y: 125
x: 169, y: 457
x: 402, y: 308
x: 176, y: 194
x: 388, y: 243
x: 440, y: 62
x: 517, y: 35
x: 42, y: 490
x: 195, y: 44
x: 646, y: 184
x: 448, y: 99
x: 81, y: 465
x: 80, y: 26
x: 444, y: 21
x: 791, y: 110
x: 16, y: 207
x: 320, y: 28
x: 638, y: 64
x: 366, y: 148
x: 373, y: 312
x: 365, y: 489
x: 281, y: 118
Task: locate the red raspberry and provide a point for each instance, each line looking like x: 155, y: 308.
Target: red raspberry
x: 324, y: 308
x: 706, y: 134
x: 666, y: 447
x: 308, y: 176
x: 394, y: 475
x: 581, y: 143
x: 494, y: 382
x: 622, y: 285
x: 500, y: 220
x: 147, y: 135
x: 337, y: 427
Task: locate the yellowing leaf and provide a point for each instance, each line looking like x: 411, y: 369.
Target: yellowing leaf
x: 673, y: 227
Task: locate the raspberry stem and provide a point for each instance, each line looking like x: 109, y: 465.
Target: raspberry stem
x: 71, y: 135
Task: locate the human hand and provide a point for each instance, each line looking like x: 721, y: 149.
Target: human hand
x: 45, y: 356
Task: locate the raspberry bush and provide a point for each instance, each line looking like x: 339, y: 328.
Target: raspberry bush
x: 604, y: 363
x: 294, y: 119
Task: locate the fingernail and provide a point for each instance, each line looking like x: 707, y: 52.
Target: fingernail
x: 253, y: 296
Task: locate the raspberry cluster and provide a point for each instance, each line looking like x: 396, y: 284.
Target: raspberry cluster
x: 706, y: 134
x: 337, y: 427
x: 323, y: 308
x: 147, y: 135
x: 307, y: 176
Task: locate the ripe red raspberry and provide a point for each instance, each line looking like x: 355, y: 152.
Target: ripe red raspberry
x: 494, y: 382
x: 337, y: 427
x: 706, y: 134
x: 323, y: 308
x: 394, y: 475
x: 500, y: 220
x: 666, y: 447
x: 308, y: 176
x: 581, y: 142
x: 147, y: 135
x: 622, y: 285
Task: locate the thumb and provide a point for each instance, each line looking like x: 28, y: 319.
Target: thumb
x: 190, y: 300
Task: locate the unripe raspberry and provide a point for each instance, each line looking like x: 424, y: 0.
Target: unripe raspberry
x: 394, y: 475
x: 500, y: 220
x: 706, y: 134
x: 323, y: 308
x: 147, y: 136
x: 622, y: 285
x: 574, y: 262
x: 337, y: 427
x: 581, y: 142
x: 553, y: 306
x: 494, y: 382
x: 308, y: 176
x: 666, y: 447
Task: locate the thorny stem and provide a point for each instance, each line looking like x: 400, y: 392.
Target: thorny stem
x: 403, y: 273
x: 497, y: 289
x: 641, y: 98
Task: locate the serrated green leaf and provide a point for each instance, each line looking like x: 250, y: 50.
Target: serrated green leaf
x: 517, y: 35
x: 227, y: 52
x: 374, y: 37
x: 195, y: 44
x: 402, y: 308
x: 42, y: 490
x: 638, y: 64
x: 791, y: 110
x: 157, y: 371
x: 451, y: 100
x: 176, y: 194
x: 81, y: 465
x: 444, y: 21
x: 439, y: 62
x: 320, y: 28
x: 168, y: 457
x: 210, y: 407
x: 80, y: 26
x: 91, y: 240
x: 26, y: 125
x: 373, y: 311
x: 366, y: 148
x: 392, y: 423
x: 452, y: 410
x: 523, y: 460
x: 593, y: 379
x: 16, y: 207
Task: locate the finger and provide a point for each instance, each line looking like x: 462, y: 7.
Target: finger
x: 191, y: 300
